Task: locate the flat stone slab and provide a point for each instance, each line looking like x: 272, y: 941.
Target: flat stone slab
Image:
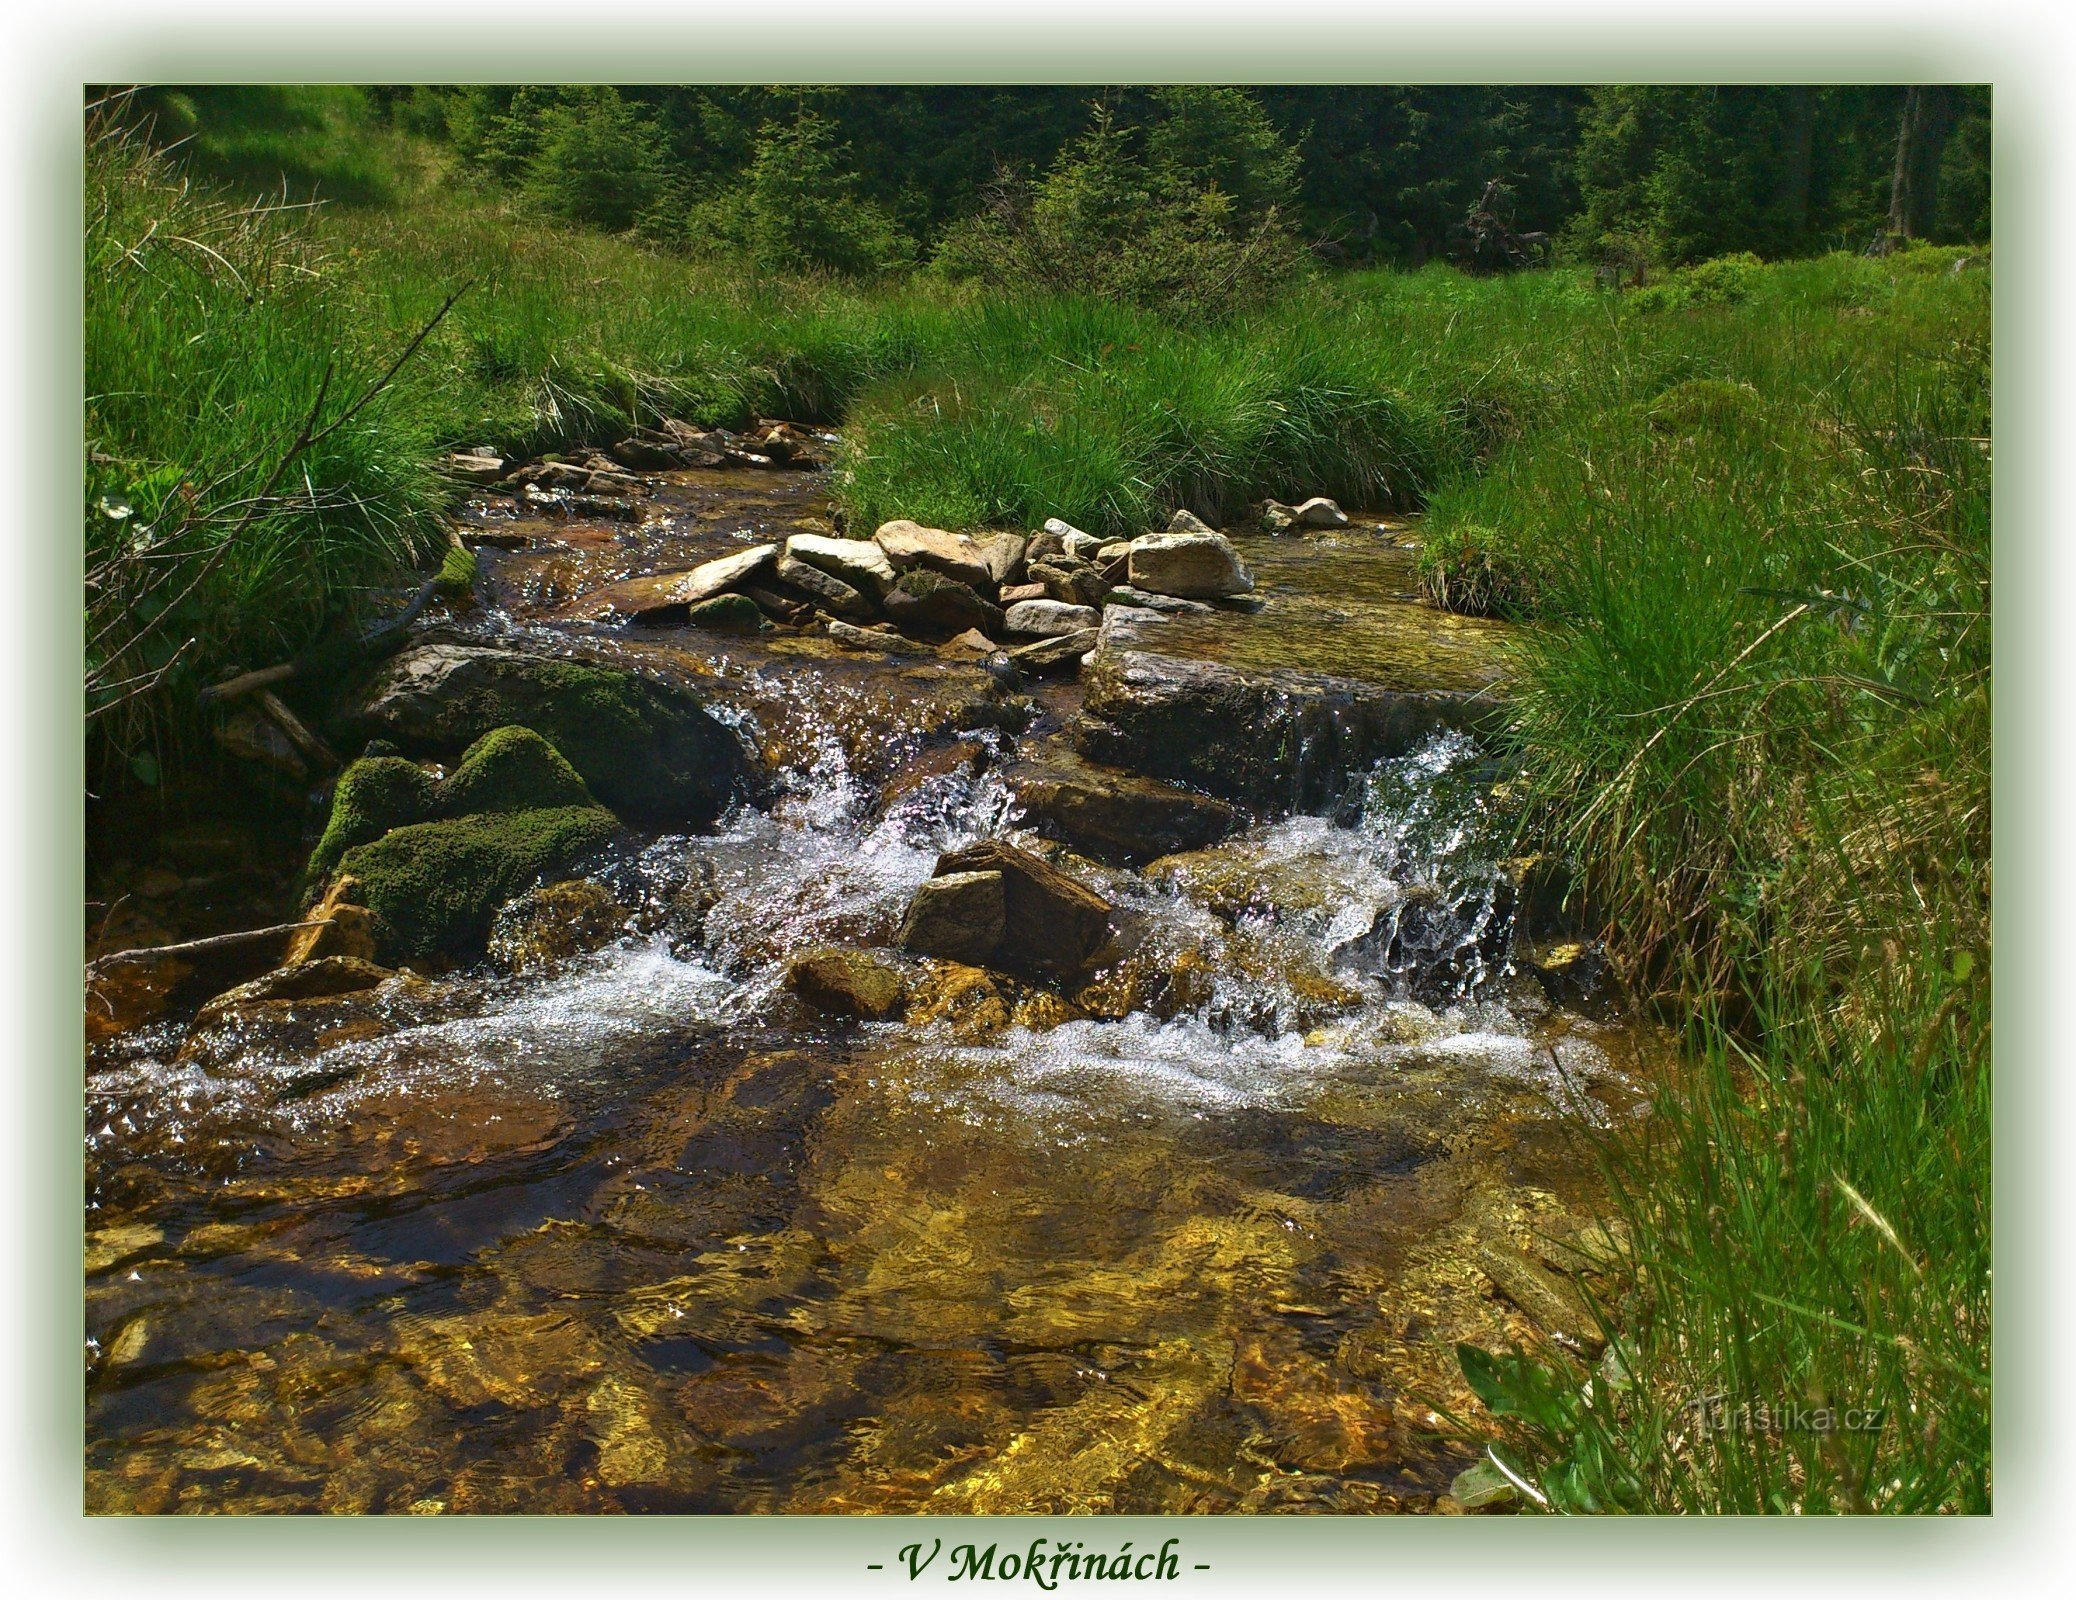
x: 1114, y: 815
x: 653, y: 598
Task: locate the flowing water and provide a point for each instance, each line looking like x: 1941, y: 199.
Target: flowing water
x: 634, y: 1230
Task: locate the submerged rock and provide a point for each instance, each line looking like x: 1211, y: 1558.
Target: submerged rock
x: 727, y: 613
x: 1190, y: 563
x: 308, y: 980
x: 553, y: 923
x: 1112, y: 815
x: 1270, y: 740
x: 664, y: 597
x: 847, y: 983
x: 650, y: 752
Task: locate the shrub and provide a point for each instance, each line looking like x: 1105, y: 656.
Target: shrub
x: 597, y: 161
x: 798, y: 208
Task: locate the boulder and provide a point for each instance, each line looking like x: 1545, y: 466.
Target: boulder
x: 1188, y: 522
x: 1004, y: 554
x: 926, y: 601
x: 646, y: 455
x: 1195, y: 564
x: 1060, y: 654
x: 1320, y: 512
x: 1052, y: 926
x: 1276, y: 517
x: 649, y: 751
x: 847, y: 983
x: 956, y: 916
x: 435, y: 886
x: 1048, y: 619
x: 860, y: 563
x: 727, y: 613
x: 1013, y: 592
x: 1272, y: 741
x: 1046, y: 545
x: 664, y: 597
x: 475, y: 466
x: 1112, y: 815
x: 827, y: 591
x: 909, y: 545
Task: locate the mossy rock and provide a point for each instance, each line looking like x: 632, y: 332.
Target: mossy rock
x: 508, y: 769
x: 727, y: 613
x: 649, y: 751
x: 435, y: 886
x: 374, y: 795
x: 512, y: 769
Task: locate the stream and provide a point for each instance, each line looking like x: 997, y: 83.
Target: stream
x: 633, y: 1229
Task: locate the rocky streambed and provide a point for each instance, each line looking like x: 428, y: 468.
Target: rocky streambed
x: 801, y: 1023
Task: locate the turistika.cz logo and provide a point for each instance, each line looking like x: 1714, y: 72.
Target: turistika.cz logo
x: 1043, y: 1562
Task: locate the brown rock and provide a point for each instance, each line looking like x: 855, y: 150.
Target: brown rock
x: 307, y: 980
x: 350, y: 932
x: 909, y: 545
x: 126, y: 994
x: 830, y: 593
x: 652, y: 599
x: 1060, y: 654
x: 1113, y: 815
x: 1051, y: 925
x: 1013, y: 592
x: 957, y: 915
x: 847, y: 983
x: 1547, y: 1301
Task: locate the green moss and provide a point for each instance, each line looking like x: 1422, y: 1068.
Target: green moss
x: 457, y: 572
x: 728, y: 613
x: 1703, y: 403
x: 511, y: 769
x: 437, y: 885
x: 373, y: 795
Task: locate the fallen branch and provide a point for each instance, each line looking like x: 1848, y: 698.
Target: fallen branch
x: 196, y: 947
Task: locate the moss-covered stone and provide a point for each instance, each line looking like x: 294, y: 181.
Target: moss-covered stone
x: 511, y: 769
x: 437, y: 885
x: 649, y: 751
x: 727, y: 613
x: 372, y: 796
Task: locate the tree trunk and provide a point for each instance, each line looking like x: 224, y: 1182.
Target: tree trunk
x: 1903, y: 183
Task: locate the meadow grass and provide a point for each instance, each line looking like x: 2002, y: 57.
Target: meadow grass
x: 1744, y: 518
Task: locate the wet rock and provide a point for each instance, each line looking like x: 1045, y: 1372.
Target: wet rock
x: 435, y: 886
x: 727, y: 613
x: 1112, y: 815
x: 1319, y: 512
x: 650, y: 752
x: 859, y: 563
x: 961, y: 997
x: 958, y: 916
x: 1052, y: 925
x: 646, y: 455
x: 1166, y: 605
x: 1547, y: 1301
x: 847, y: 983
x: 1269, y: 740
x: 877, y: 637
x: 249, y: 734
x: 306, y: 980
x: 665, y: 597
x: 909, y: 545
x: 1192, y: 564
x: 348, y: 929
x: 1276, y: 517
x: 1062, y: 653
x: 832, y: 594
x: 107, y: 1247
x: 926, y: 601
x: 373, y: 795
x: 554, y: 922
x: 1049, y: 619
x: 788, y: 609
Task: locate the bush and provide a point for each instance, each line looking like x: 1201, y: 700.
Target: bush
x: 597, y: 162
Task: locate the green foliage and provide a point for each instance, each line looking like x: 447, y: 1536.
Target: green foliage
x: 799, y: 209
x: 593, y: 160
x: 1190, y: 225
x: 511, y: 769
